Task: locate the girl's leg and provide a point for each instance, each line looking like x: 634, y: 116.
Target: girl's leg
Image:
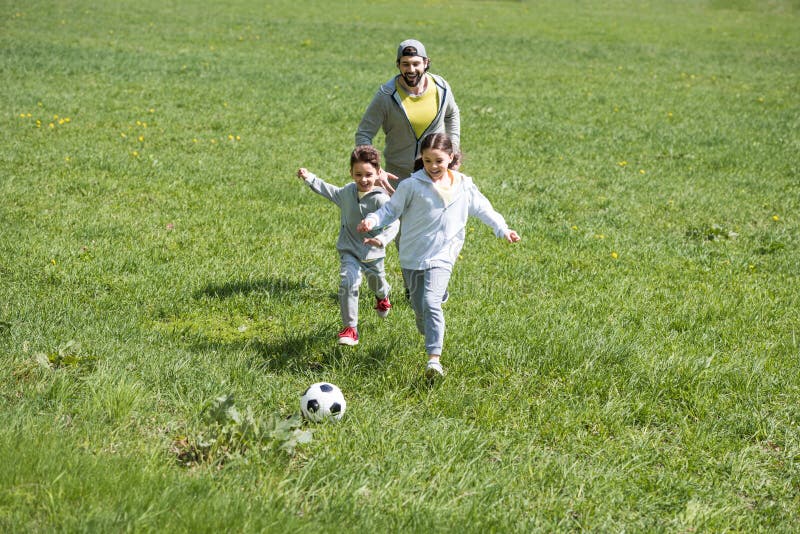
x: 349, y: 282
x: 436, y: 281
x: 415, y: 283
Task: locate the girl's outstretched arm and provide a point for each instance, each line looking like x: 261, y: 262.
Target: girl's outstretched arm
x: 512, y: 236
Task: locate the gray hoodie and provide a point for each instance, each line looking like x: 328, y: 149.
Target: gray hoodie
x: 352, y: 210
x: 402, y: 145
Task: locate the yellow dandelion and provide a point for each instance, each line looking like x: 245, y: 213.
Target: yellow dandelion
x: 623, y: 163
x: 123, y: 135
x: 238, y: 138
x: 55, y: 117
x: 22, y: 115
x: 213, y: 141
x: 67, y: 119
x: 53, y: 261
x: 52, y: 125
x: 230, y: 137
x: 641, y: 171
x: 141, y: 138
x: 152, y: 110
x: 67, y: 159
x: 194, y: 140
x: 614, y: 255
x: 144, y: 125
x: 135, y: 153
x: 574, y: 227
x: 60, y: 121
x: 776, y: 218
x: 599, y: 236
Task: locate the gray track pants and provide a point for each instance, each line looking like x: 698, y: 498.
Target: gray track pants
x: 350, y: 280
x: 426, y: 290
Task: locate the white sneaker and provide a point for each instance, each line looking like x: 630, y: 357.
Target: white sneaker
x: 433, y: 370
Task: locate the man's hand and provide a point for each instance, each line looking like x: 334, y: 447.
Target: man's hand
x: 383, y: 181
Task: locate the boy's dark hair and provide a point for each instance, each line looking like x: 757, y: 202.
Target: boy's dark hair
x: 438, y: 141
x: 366, y: 154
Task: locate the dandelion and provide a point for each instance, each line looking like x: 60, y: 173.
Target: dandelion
x: 53, y: 261
x: 123, y: 135
x: 141, y: 139
x: 599, y: 236
x: 641, y: 171
x: 230, y: 137
x: 152, y: 110
x: 238, y: 138
x: 622, y: 163
x: 52, y: 125
x: 575, y: 228
x: 614, y: 255
x: 135, y: 153
x: 776, y: 218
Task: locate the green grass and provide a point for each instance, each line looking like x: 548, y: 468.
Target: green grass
x: 632, y: 365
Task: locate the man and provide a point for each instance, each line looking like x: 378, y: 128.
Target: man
x: 408, y: 107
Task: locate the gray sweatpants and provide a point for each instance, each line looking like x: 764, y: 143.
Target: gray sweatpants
x: 350, y: 280
x: 427, y: 288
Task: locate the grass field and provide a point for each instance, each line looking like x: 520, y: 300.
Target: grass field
x: 632, y: 365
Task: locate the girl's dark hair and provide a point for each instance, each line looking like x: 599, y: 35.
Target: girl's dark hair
x: 438, y: 141
x: 366, y: 154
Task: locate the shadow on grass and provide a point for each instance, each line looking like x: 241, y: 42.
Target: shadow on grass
x: 273, y: 286
x: 304, y: 352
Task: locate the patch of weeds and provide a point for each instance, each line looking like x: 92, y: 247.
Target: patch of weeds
x: 713, y: 232
x: 226, y: 434
x: 69, y: 355
x: 770, y: 248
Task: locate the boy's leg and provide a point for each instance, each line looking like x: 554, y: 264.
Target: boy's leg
x: 349, y: 282
x: 376, y: 278
x: 435, y: 287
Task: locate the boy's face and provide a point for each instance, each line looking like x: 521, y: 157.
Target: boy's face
x: 364, y: 175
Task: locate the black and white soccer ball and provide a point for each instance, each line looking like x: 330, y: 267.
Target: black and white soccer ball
x: 322, y: 401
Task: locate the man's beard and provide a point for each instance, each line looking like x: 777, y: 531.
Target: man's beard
x: 416, y: 79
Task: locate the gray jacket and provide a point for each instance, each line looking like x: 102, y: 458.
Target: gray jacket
x: 402, y: 145
x: 352, y: 210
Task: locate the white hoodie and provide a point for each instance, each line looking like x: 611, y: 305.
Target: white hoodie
x: 431, y: 229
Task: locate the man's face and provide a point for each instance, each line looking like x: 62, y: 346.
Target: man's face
x: 412, y: 68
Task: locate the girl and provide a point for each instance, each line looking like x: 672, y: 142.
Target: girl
x: 358, y: 255
x: 434, y: 204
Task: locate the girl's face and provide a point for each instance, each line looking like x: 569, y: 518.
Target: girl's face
x: 364, y: 175
x: 436, y: 162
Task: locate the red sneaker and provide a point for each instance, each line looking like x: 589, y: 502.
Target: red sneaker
x: 348, y: 336
x: 383, y: 307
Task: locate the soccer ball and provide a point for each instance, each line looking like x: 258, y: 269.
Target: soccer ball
x: 322, y: 401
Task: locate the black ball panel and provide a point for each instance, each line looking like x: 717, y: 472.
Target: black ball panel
x: 327, y: 388
x: 336, y: 407
x: 312, y: 405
